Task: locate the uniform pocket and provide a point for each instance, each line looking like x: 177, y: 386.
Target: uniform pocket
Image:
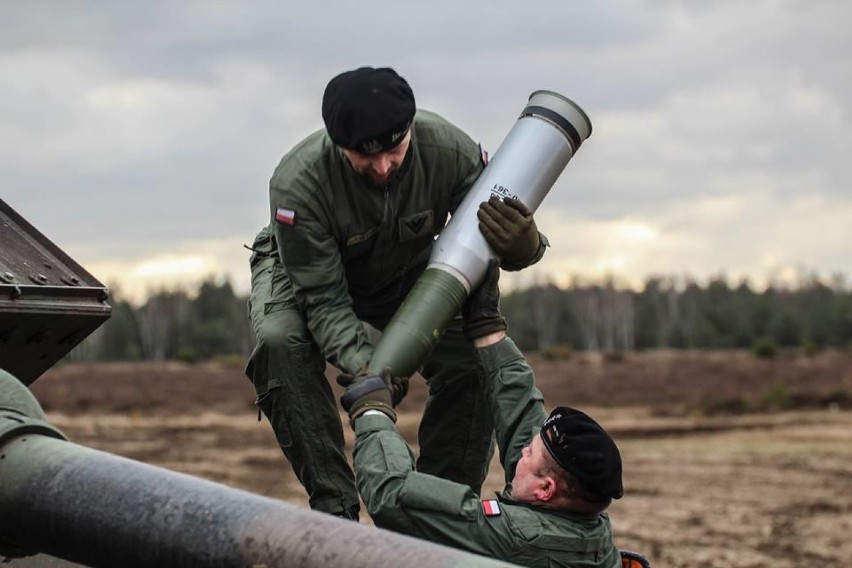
x: 416, y: 226
x: 262, y: 248
x: 273, y: 407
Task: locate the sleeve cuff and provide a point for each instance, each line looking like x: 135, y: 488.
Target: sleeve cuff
x: 372, y: 420
x: 543, y: 243
x: 495, y: 356
x: 359, y: 361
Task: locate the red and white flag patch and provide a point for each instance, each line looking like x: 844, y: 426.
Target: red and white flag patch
x: 491, y: 507
x: 286, y: 216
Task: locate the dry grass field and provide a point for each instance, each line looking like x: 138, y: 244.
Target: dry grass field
x: 729, y: 461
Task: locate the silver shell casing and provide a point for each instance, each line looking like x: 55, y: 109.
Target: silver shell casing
x: 525, y: 166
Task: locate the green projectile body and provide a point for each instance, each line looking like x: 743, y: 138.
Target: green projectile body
x: 434, y: 301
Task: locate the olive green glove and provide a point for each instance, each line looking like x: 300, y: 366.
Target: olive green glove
x: 509, y: 228
x: 368, y: 391
x: 398, y: 385
x: 481, y: 311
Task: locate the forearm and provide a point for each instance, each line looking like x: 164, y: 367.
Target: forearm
x: 420, y: 505
x: 516, y: 404
x: 319, y: 287
x: 340, y: 335
x: 489, y: 339
x: 382, y: 461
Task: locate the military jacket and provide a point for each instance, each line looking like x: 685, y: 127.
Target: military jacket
x: 351, y: 250
x: 400, y: 499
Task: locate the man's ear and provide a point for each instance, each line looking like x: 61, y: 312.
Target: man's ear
x: 546, y: 489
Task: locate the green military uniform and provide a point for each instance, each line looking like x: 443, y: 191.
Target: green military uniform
x: 349, y: 253
x: 412, y: 502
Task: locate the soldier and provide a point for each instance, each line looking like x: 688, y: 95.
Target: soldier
x: 561, y: 471
x: 355, y: 209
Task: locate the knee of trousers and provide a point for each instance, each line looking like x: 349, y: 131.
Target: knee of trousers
x: 284, y: 347
x: 282, y: 327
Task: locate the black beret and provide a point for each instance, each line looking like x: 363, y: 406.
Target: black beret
x: 368, y: 110
x: 583, y: 448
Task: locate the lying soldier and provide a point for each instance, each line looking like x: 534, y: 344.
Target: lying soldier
x: 561, y: 471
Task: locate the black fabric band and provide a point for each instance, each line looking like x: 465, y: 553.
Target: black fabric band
x: 560, y: 121
x: 360, y: 388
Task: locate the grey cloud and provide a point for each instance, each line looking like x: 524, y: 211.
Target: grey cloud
x: 688, y: 99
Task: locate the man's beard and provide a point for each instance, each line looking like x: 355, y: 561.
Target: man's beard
x: 379, y: 183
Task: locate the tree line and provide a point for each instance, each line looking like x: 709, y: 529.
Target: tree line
x: 681, y: 314
x: 667, y: 313
x: 173, y: 325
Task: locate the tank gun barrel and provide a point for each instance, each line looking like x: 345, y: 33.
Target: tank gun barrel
x: 98, y: 509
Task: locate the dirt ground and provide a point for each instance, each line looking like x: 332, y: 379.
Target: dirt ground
x: 729, y: 461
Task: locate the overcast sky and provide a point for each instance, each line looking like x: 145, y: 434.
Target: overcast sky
x: 140, y: 136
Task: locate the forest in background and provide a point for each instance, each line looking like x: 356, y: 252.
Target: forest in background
x: 674, y: 313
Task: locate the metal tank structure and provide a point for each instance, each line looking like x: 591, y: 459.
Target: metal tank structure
x: 48, y: 302
x: 63, y: 504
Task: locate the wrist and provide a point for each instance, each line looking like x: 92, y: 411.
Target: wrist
x: 372, y: 421
x: 490, y: 339
x: 516, y: 265
x: 371, y: 407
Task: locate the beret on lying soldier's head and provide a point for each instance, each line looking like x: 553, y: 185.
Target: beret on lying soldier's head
x: 368, y: 110
x: 585, y: 450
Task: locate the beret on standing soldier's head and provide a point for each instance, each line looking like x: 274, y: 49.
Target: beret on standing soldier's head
x: 368, y: 110
x: 585, y: 450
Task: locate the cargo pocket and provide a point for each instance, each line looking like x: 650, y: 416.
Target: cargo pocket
x: 262, y: 248
x: 270, y: 404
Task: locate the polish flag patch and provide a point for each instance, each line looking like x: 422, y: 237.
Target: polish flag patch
x: 491, y: 507
x: 286, y: 216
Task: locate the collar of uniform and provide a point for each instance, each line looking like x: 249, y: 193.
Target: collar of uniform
x: 409, y: 156
x: 505, y: 498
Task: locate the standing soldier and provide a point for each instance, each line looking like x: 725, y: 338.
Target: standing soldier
x: 355, y: 209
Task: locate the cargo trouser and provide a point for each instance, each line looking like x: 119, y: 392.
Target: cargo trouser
x: 287, y: 370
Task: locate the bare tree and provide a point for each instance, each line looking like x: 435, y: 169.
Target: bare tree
x: 606, y: 317
x: 160, y: 321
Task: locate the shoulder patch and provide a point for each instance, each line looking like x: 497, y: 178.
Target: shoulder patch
x: 286, y: 216
x: 483, y: 155
x: 491, y: 507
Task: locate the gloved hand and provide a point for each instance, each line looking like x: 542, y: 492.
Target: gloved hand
x: 509, y: 228
x: 366, y: 391
x: 481, y: 311
x: 398, y: 385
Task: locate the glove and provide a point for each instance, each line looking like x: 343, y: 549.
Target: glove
x: 481, y: 311
x: 368, y: 391
x: 509, y: 228
x: 398, y: 385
